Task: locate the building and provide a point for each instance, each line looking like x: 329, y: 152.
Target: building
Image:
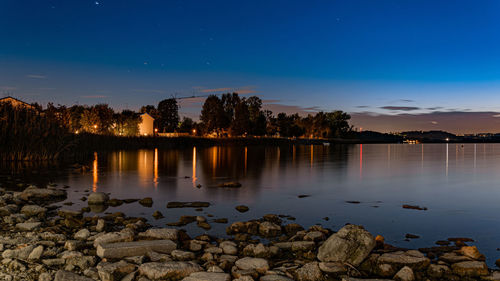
x: 15, y: 102
x: 146, y: 127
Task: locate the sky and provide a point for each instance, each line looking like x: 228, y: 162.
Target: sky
x: 393, y: 65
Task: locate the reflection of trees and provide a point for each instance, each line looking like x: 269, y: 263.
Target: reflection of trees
x: 229, y: 162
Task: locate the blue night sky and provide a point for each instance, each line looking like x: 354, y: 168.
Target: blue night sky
x: 409, y: 62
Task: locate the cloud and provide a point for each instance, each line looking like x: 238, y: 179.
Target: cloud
x: 94, y: 97
x: 434, y: 108
x: 240, y: 90
x: 290, y: 109
x: 154, y: 91
x: 216, y: 90
x: 7, y: 88
x: 36, y: 76
x: 270, y: 101
x: 458, y: 122
x: 362, y: 106
x: 401, y: 108
x: 406, y: 100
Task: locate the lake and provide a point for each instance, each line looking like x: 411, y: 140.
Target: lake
x: 458, y: 184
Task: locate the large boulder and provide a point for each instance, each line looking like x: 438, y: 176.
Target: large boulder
x: 42, y: 195
x: 351, y: 244
x: 470, y: 268
x: 135, y: 248
x: 309, y: 272
x: 257, y: 264
x: 208, y: 276
x: 413, y: 259
x: 168, y: 270
x: 160, y: 233
x: 98, y: 198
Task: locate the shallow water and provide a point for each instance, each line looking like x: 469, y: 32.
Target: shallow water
x: 459, y: 184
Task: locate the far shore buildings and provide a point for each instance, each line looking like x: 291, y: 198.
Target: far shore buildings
x: 15, y: 102
x: 146, y: 127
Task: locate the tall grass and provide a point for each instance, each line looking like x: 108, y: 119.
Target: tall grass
x: 30, y: 135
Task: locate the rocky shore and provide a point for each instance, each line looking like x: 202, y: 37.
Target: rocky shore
x: 42, y: 241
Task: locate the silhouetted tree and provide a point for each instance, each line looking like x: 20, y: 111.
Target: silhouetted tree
x: 168, y: 112
x: 213, y: 115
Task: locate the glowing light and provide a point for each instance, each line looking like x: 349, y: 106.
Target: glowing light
x: 194, y: 167
x: 95, y: 175
x: 194, y: 131
x: 155, y: 168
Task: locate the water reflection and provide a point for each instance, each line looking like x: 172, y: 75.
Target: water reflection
x: 95, y: 172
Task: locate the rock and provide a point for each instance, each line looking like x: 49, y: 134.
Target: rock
x: 146, y: 202
x: 28, y: 226
x: 33, y: 211
x: 470, y: 268
x: 73, y: 245
x: 36, y: 253
x: 404, y: 274
x: 158, y: 215
x: 100, y: 225
x: 182, y: 255
x: 293, y: 228
x: 438, y: 271
x: 309, y: 272
x: 350, y: 244
x: 208, y: 276
x: 414, y: 207
x: 69, y: 214
x: 385, y: 270
x: 114, y: 271
x: 229, y: 247
x: 471, y: 252
x: 63, y: 275
x: 44, y: 276
x: 314, y: 236
x: 275, y: 277
x: 98, y: 198
x: 195, y: 204
x: 242, y: 208
x: 453, y: 258
x: 160, y: 233
x: 269, y: 229
x: 168, y: 270
x: 230, y: 184
x: 257, y: 264
x: 113, y: 202
x: 204, y: 225
x: 413, y: 259
x: 335, y: 268
x: 126, y: 235
x: 136, y: 248
x: 42, y: 195
x: 82, y: 234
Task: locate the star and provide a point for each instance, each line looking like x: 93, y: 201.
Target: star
x: 97, y: 3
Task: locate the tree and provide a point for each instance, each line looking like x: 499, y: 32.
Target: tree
x: 89, y: 121
x: 187, y: 125
x: 241, y: 122
x: 339, y: 124
x: 168, y: 113
x: 229, y: 103
x: 105, y: 114
x: 212, y: 115
x: 126, y: 123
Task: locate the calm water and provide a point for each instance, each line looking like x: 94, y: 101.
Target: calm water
x: 459, y: 184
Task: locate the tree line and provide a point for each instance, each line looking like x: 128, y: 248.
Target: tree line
x: 227, y: 115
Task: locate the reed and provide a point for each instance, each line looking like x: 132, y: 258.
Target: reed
x: 30, y: 135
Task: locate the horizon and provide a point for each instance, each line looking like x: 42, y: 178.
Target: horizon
x: 392, y: 66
